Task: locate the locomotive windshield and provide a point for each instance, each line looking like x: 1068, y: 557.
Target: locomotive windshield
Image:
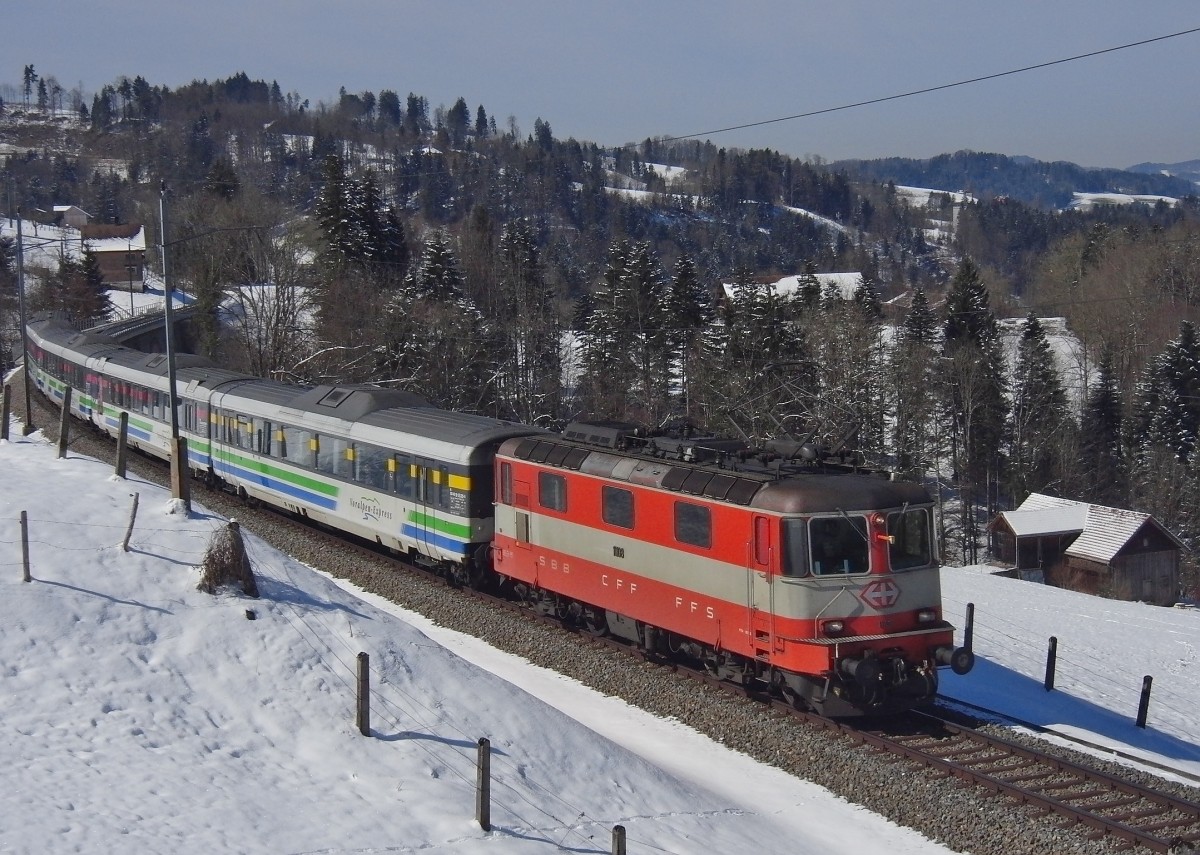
x: 911, y: 540
x: 839, y: 545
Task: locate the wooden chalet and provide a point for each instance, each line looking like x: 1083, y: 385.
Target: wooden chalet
x: 120, y: 252
x: 1117, y: 553
x: 71, y: 215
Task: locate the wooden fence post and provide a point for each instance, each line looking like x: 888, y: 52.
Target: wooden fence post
x: 122, y: 445
x: 363, y: 717
x: 483, y: 789
x: 132, y: 517
x: 64, y: 427
x: 618, y: 840
x: 1051, y: 659
x: 7, y: 411
x: 25, y: 546
x: 1144, y: 703
x: 180, y: 481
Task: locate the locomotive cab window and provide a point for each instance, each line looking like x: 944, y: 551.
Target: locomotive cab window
x: 795, y: 548
x: 911, y: 544
x: 693, y: 524
x: 839, y: 545
x: 617, y: 507
x: 552, y: 491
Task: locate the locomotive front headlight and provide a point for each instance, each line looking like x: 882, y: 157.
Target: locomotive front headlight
x: 833, y: 627
x: 926, y: 615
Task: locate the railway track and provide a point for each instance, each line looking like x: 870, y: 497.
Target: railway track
x: 1102, y: 804
x: 1115, y: 813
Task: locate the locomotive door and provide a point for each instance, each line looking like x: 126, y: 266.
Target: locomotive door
x: 761, y: 591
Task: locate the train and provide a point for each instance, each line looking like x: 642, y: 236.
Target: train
x: 782, y: 567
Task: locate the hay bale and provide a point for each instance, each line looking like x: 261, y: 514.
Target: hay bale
x: 226, y: 563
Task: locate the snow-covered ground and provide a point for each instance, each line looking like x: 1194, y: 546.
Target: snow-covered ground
x: 139, y: 715
x: 1087, y: 201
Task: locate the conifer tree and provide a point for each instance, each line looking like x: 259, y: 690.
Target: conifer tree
x: 1101, y: 455
x: 913, y: 381
x: 1169, y: 396
x: 689, y: 310
x: 434, y: 340
x: 1039, y: 428
x: 920, y: 324
x: 975, y: 399
x: 609, y: 371
x: 866, y: 297
x: 77, y: 289
x: 528, y: 360
x: 650, y: 342
x: 756, y: 375
x: 333, y: 213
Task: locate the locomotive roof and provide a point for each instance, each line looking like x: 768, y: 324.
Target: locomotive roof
x: 791, y: 489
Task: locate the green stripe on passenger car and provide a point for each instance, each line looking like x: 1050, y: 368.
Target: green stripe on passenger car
x: 444, y: 526
x: 255, y: 465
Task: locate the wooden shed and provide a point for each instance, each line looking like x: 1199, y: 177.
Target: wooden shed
x: 120, y: 252
x: 1118, y: 553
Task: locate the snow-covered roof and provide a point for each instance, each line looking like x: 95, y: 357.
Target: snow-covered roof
x: 789, y: 286
x: 1103, y: 531
x: 1025, y: 523
x: 130, y: 238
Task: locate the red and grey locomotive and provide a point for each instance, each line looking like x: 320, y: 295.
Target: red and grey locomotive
x: 816, y: 579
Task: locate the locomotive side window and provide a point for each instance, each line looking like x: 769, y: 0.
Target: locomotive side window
x: 506, y: 484
x: 552, y: 491
x: 911, y: 544
x: 618, y: 507
x: 839, y: 545
x: 795, y: 548
x: 762, y: 541
x: 693, y: 524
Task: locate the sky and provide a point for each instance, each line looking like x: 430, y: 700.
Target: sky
x: 140, y: 715
x: 619, y: 72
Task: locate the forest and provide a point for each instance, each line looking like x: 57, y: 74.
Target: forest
x: 379, y: 239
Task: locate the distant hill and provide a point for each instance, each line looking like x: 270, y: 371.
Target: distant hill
x: 1189, y: 170
x: 1036, y: 182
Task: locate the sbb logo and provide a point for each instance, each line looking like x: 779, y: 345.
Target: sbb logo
x: 880, y: 594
